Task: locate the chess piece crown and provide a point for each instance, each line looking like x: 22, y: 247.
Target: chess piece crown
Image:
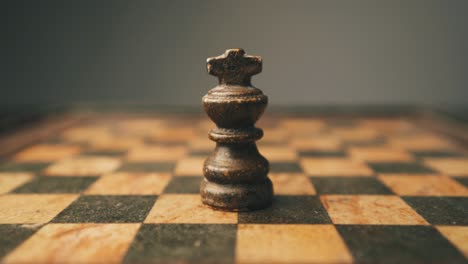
x: 235, y: 173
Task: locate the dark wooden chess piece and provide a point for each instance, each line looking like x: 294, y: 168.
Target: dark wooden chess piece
x: 236, y: 174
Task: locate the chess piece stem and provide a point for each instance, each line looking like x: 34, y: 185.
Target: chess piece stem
x: 235, y: 173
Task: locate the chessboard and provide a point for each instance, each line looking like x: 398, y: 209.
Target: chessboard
x: 124, y: 187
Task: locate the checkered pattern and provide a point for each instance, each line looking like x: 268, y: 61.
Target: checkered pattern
x: 125, y: 189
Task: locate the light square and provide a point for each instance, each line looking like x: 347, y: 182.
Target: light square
x: 334, y: 167
x: 130, y: 184
x: 192, y: 166
x: 188, y: 209
x: 290, y: 244
x: 179, y: 134
x: 423, y: 185
x: 32, y: 208
x: 420, y: 142
x: 355, y: 133
x: 291, y: 184
x: 201, y: 143
x: 273, y: 135
x: 389, y: 125
x: 11, y: 180
x: 141, y: 126
x: 86, y: 134
x: 76, y: 243
x: 370, y: 210
x: 45, y: 153
x: 278, y: 153
x: 157, y: 153
x: 318, y: 143
x: 116, y: 143
x: 205, y: 125
x: 449, y: 166
x: 83, y: 166
x: 457, y: 235
x: 302, y: 125
x: 379, y: 154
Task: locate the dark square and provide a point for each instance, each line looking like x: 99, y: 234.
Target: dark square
x: 147, y: 167
x: 289, y: 210
x: 197, y: 153
x: 107, y: 209
x: 23, y: 166
x: 62, y: 142
x: 184, y: 185
x: 285, y: 167
x: 399, y: 167
x: 437, y: 154
x: 182, y: 243
x: 441, y: 210
x: 324, y: 154
x: 462, y: 180
x: 398, y: 244
x: 349, y: 185
x: 56, y: 185
x: 56, y: 140
x: 12, y: 236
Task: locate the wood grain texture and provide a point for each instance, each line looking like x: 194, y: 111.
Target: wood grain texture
x: 423, y: 185
x: 379, y: 154
x: 370, y: 210
x: 335, y: 167
x: 458, y: 235
x: 9, y: 181
x: 122, y: 183
x: 83, y: 166
x: 450, y: 166
x: 392, y: 214
x: 76, y: 243
x: 290, y: 244
x: 187, y: 209
x: 291, y: 184
x: 32, y: 208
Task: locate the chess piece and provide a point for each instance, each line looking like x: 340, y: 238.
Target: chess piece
x: 235, y: 173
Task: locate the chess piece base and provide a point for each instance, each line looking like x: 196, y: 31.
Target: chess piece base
x: 237, y: 197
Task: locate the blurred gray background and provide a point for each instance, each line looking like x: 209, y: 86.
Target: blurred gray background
x: 315, y: 52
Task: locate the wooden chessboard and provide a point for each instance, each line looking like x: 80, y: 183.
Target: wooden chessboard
x: 124, y: 187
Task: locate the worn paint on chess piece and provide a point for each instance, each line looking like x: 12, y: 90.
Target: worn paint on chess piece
x: 236, y: 174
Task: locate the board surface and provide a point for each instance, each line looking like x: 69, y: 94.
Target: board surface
x: 124, y: 188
